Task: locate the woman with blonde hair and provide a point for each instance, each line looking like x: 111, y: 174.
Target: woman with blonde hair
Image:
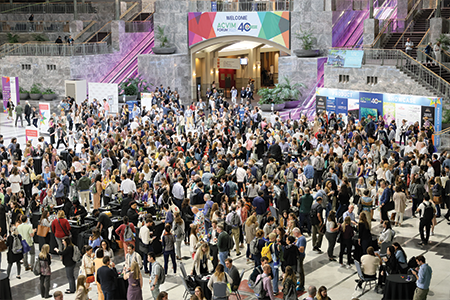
x: 178, y: 230
x: 87, y: 264
x: 251, y: 226
x: 201, y: 259
x: 400, y: 205
x: 193, y: 240
x: 289, y: 284
x: 45, y: 260
x: 82, y: 288
x: 135, y: 282
x: 220, y: 276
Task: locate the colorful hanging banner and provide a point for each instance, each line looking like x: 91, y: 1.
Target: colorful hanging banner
x: 10, y: 89
x: 44, y: 116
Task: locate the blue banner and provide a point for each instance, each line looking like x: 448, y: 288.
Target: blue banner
x: 331, y: 106
x: 372, y: 103
x: 341, y: 105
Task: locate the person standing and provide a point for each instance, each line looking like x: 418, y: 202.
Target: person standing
x: 427, y: 211
x: 168, y: 243
x: 318, y: 224
x: 301, y: 245
x: 222, y: 244
x: 423, y: 275
x: 13, y: 257
x: 409, y: 47
x: 135, y: 282
x: 107, y: 276
x: 27, y: 232
x: 45, y: 260
x: 27, y: 112
x: 234, y: 221
x: 61, y: 228
x: 437, y: 51
x: 305, y: 208
x: 19, y: 111
x: 69, y: 264
x: 34, y: 116
x: 155, y: 276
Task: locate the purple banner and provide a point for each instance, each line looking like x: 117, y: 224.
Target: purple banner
x: 6, y: 86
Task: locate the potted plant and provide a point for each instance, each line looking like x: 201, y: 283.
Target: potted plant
x: 23, y: 94
x: 132, y: 87
x: 269, y: 97
x: 445, y: 41
x: 290, y: 93
x: 164, y: 46
x: 48, y: 94
x: 36, y: 91
x: 305, y: 36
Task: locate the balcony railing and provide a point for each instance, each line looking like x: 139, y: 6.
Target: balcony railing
x: 229, y: 6
x: 139, y: 26
x: 52, y: 49
x: 36, y: 26
x: 46, y: 8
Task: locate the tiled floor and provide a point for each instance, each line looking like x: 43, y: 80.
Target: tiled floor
x: 319, y: 271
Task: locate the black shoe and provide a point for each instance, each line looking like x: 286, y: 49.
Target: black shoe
x: 420, y: 243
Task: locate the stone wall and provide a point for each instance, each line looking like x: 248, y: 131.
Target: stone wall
x: 390, y: 80
x: 299, y: 70
x: 168, y: 70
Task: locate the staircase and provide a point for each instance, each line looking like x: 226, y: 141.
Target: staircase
x: 98, y: 37
x: 415, y: 33
x: 141, y: 17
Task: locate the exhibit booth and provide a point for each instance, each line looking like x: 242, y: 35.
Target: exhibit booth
x: 390, y: 106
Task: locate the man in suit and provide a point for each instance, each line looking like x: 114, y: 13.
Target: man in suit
x: 107, y: 277
x: 27, y: 112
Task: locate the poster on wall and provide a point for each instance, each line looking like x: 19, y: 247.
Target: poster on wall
x: 354, y: 113
x: 388, y: 112
x: 365, y: 112
x: 146, y: 100
x: 10, y: 89
x: 31, y: 135
x: 321, y: 104
x: 44, y: 116
x: 108, y: 91
x: 345, y: 58
x: 371, y: 100
x: 272, y: 26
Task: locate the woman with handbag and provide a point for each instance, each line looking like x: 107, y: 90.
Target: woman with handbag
x: 43, y: 229
x: 12, y: 256
x: 87, y: 264
x: 45, y: 260
x: 135, y: 282
x: 289, y: 284
x: 61, y: 229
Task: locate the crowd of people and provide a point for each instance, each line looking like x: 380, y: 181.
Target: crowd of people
x: 223, y: 179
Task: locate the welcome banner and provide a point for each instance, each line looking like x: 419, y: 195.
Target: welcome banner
x: 272, y: 26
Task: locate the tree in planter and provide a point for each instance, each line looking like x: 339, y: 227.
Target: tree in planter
x: 161, y: 37
x: 36, y: 88
x: 23, y: 91
x: 288, y: 91
x: 305, y: 36
x: 48, y: 92
x: 445, y: 42
x: 269, y: 96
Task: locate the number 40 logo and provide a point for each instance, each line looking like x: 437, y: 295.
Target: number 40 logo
x: 244, y: 27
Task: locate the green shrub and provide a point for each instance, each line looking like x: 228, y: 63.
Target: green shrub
x: 13, y: 38
x: 48, y: 92
x: 23, y: 91
x: 36, y: 88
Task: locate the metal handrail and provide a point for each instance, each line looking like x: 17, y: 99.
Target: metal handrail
x: 437, y: 63
x: 85, y: 30
x: 46, y: 7
x: 98, y: 31
x: 53, y: 49
x: 128, y: 10
x: 410, y: 66
x: 386, y: 26
x: 411, y: 12
x: 34, y: 26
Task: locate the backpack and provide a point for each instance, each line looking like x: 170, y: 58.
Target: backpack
x: 259, y: 290
x: 17, y: 244
x: 347, y: 169
x: 76, y: 257
x: 37, y: 267
x: 270, y: 171
x: 258, y: 174
x: 161, y: 276
x: 227, y: 189
x: 265, y: 252
x: 93, y: 188
x: 178, y: 231
x: 290, y: 175
x: 254, y: 246
x: 428, y: 213
x: 128, y: 234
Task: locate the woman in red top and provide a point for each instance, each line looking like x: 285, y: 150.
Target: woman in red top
x: 61, y: 229
x: 120, y: 231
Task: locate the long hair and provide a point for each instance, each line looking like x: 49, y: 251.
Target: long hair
x: 347, y: 221
x: 44, y: 251
x: 135, y: 270
x: 289, y: 274
x: 363, y: 219
x: 81, y: 281
x: 219, y: 273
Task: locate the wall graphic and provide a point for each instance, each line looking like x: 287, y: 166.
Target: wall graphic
x: 272, y: 26
x: 10, y: 89
x: 44, y: 116
x: 108, y: 91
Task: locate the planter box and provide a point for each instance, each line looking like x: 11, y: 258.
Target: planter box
x: 164, y: 50
x: 49, y: 97
x: 23, y: 96
x: 306, y: 53
x: 35, y: 96
x: 291, y: 104
x: 276, y: 107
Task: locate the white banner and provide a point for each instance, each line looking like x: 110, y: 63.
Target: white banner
x: 31, y: 135
x: 146, y: 100
x: 229, y: 63
x: 108, y: 91
x: 410, y: 113
x: 44, y: 116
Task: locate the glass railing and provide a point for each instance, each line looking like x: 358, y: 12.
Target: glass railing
x: 229, y: 6
x: 35, y: 26
x: 47, y: 8
x: 52, y: 49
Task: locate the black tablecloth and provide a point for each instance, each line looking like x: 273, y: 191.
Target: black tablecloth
x: 5, y: 288
x: 204, y: 285
x: 398, y: 288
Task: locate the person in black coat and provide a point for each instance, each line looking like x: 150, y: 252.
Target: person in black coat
x: 390, y: 266
x: 27, y: 112
x: 290, y: 254
x: 107, y: 277
x: 69, y: 264
x: 2, y: 220
x: 133, y: 213
x: 12, y: 257
x: 77, y: 211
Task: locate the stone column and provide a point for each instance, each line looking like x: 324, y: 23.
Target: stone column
x: 402, y: 9
x: 116, y: 10
x: 75, y: 27
x: 371, y: 30
x: 436, y: 25
x: 75, y: 10
x: 117, y: 30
